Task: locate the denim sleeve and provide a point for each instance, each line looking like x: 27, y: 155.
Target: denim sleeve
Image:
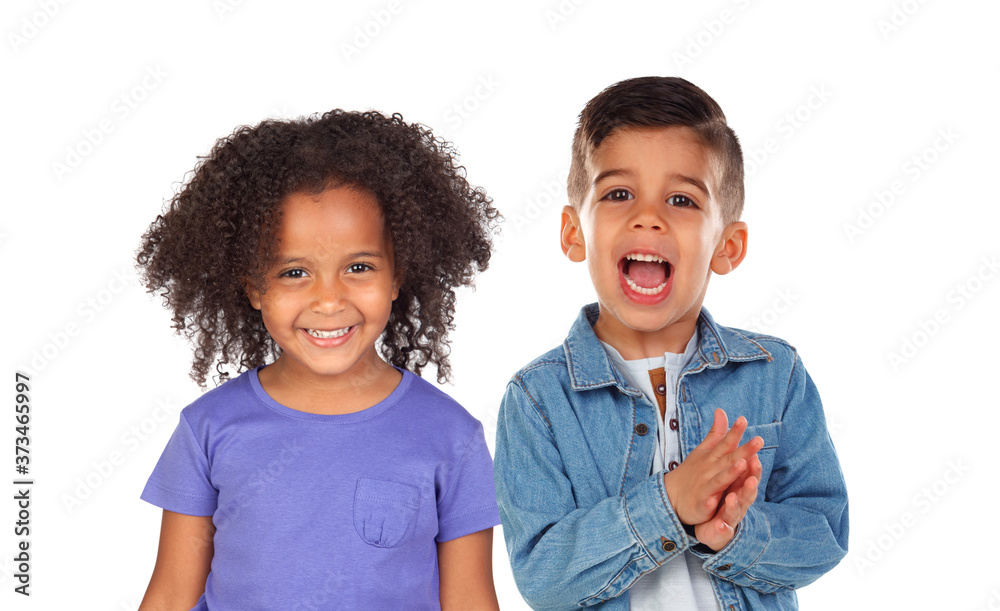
x: 797, y: 528
x: 564, y: 556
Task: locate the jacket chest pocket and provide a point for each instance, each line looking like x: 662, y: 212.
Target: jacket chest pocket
x: 771, y: 434
x: 385, y: 513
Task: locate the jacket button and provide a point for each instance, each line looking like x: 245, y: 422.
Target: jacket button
x: 674, y: 425
x: 673, y: 465
x: 724, y: 567
x: 641, y: 429
x: 667, y: 544
x: 661, y: 389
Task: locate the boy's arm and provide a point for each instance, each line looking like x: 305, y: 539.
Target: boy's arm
x: 797, y: 528
x: 564, y: 556
x: 183, y: 562
x: 465, y: 569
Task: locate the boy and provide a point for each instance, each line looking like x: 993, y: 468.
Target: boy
x: 620, y: 483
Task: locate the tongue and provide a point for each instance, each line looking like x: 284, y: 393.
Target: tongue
x: 647, y: 274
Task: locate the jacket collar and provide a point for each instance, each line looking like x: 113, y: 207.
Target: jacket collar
x: 589, y: 365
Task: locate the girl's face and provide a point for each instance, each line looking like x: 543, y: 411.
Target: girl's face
x: 329, y: 295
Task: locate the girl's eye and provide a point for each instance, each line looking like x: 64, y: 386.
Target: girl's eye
x: 618, y: 195
x: 681, y: 201
x: 358, y: 268
x: 294, y: 274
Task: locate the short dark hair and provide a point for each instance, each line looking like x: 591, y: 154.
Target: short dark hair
x: 219, y: 232
x: 659, y: 101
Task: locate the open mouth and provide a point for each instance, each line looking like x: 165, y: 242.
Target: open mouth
x: 645, y: 274
x: 329, y: 334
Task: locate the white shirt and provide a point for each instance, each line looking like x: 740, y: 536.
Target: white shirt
x: 681, y: 584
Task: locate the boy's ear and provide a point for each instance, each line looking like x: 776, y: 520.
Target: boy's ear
x: 731, y: 249
x: 571, y: 235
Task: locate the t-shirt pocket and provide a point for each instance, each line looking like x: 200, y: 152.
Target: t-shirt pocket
x: 385, y: 513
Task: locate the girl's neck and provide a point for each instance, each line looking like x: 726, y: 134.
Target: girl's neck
x: 333, y: 394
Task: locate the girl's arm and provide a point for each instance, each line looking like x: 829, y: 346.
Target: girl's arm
x: 182, y: 563
x: 465, y: 569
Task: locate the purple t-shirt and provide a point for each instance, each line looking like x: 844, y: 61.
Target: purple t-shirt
x: 321, y: 512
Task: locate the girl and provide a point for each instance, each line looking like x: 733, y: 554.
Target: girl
x: 327, y: 475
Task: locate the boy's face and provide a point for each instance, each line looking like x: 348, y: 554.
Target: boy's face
x: 651, y: 232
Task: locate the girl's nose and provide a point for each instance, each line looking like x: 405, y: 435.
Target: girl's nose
x: 327, y: 296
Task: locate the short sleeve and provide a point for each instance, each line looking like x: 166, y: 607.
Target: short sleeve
x: 181, y: 480
x: 469, y: 503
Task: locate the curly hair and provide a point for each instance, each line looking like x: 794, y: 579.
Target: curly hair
x: 218, y: 234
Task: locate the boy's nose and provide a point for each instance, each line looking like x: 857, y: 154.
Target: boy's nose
x: 647, y: 215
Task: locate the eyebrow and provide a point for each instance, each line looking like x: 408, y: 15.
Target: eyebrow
x: 354, y: 255
x: 691, y: 180
x: 613, y: 172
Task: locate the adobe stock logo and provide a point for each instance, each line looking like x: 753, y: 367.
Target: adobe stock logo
x: 794, y: 120
x: 32, y: 25
x: 782, y: 303
x: 365, y: 33
x: 713, y: 29
x: 121, y: 108
x: 959, y: 296
x: 460, y: 111
x: 921, y: 504
x: 85, y: 313
x: 107, y: 465
x: 914, y: 168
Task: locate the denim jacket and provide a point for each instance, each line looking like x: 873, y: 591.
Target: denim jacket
x: 584, y: 519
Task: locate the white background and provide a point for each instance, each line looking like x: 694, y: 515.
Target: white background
x: 845, y: 103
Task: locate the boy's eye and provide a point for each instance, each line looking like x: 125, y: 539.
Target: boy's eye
x: 358, y: 268
x: 681, y: 201
x: 618, y: 195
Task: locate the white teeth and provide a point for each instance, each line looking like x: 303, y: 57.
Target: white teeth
x: 328, y: 334
x: 638, y: 257
x: 642, y: 290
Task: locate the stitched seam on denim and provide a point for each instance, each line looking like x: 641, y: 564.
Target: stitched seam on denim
x: 718, y: 340
x: 696, y: 415
x: 791, y: 374
x: 538, y: 409
x: 770, y: 583
x: 611, y: 583
x: 572, y: 374
x: 635, y: 533
x: 715, y: 587
x: 751, y: 357
x: 569, y: 363
x: 628, y: 457
x: 536, y: 365
x: 661, y: 488
x: 753, y: 340
x: 744, y: 570
x: 595, y: 385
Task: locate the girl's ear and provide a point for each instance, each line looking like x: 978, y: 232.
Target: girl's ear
x: 731, y: 249
x: 571, y: 235
x: 397, y: 281
x: 252, y: 294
